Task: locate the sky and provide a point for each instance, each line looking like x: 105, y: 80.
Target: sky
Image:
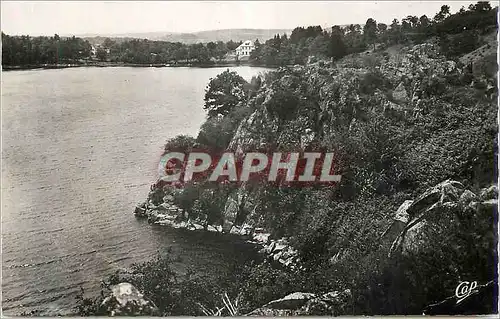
x: 108, y: 18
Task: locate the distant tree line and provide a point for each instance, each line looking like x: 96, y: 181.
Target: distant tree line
x: 146, y: 51
x: 340, y: 41
x: 26, y: 50
x: 280, y: 50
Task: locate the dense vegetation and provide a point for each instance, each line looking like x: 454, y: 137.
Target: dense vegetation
x: 26, y: 50
x: 458, y: 32
x: 390, y: 147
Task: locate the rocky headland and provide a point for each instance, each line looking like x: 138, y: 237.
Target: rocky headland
x: 414, y: 131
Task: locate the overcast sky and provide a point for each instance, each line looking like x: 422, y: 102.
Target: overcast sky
x: 96, y: 17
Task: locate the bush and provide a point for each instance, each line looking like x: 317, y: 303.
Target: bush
x: 180, y: 143
x: 217, y: 132
x: 457, y: 45
x: 264, y: 283
x: 186, y: 196
x: 224, y: 93
x: 453, y: 137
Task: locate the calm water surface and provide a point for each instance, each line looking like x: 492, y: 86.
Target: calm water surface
x: 80, y: 148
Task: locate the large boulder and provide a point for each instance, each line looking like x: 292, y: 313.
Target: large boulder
x: 446, y: 193
x: 290, y: 305
x: 155, y: 196
x: 399, y: 222
x: 435, y: 209
x: 126, y: 300
x: 140, y: 210
x: 399, y: 94
x: 157, y: 217
x: 489, y: 193
x: 292, y: 301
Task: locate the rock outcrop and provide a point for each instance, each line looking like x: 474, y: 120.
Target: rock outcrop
x: 166, y: 213
x: 330, y: 102
x: 281, y: 251
x: 303, y: 303
x: 399, y: 94
x: 408, y: 232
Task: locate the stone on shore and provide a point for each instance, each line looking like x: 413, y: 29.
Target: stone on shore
x: 126, y: 300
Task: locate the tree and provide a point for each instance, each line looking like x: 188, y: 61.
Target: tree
x: 353, y: 38
x: 108, y: 43
x: 382, y: 32
x: 224, y: 93
x: 481, y: 6
x: 370, y: 31
x: 396, y: 36
x: 200, y: 53
x: 216, y: 133
x: 220, y: 50
x: 413, y: 21
x: 320, y: 46
x: 337, y: 47
x: 210, y: 204
x: 424, y: 21
x: 101, y: 54
x: 381, y: 27
x: 423, y: 28
x: 442, y: 14
x: 211, y: 46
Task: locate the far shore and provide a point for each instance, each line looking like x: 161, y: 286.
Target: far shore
x: 121, y: 64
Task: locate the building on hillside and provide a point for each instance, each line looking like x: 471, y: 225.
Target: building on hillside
x: 94, y: 48
x: 245, y: 49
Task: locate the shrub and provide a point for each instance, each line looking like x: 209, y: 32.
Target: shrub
x: 264, y: 283
x: 224, y: 92
x: 180, y: 143
x: 456, y: 45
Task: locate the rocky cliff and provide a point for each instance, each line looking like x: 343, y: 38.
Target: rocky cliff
x: 414, y: 136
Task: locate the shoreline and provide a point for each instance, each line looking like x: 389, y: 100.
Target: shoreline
x: 132, y: 65
x: 167, y: 214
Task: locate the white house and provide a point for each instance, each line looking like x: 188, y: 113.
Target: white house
x: 245, y: 49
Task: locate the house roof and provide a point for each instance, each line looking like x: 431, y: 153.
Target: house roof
x: 246, y: 43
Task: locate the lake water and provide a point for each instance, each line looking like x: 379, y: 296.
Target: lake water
x: 80, y: 149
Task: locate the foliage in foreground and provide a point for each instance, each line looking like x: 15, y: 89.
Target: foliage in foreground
x: 173, y: 293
